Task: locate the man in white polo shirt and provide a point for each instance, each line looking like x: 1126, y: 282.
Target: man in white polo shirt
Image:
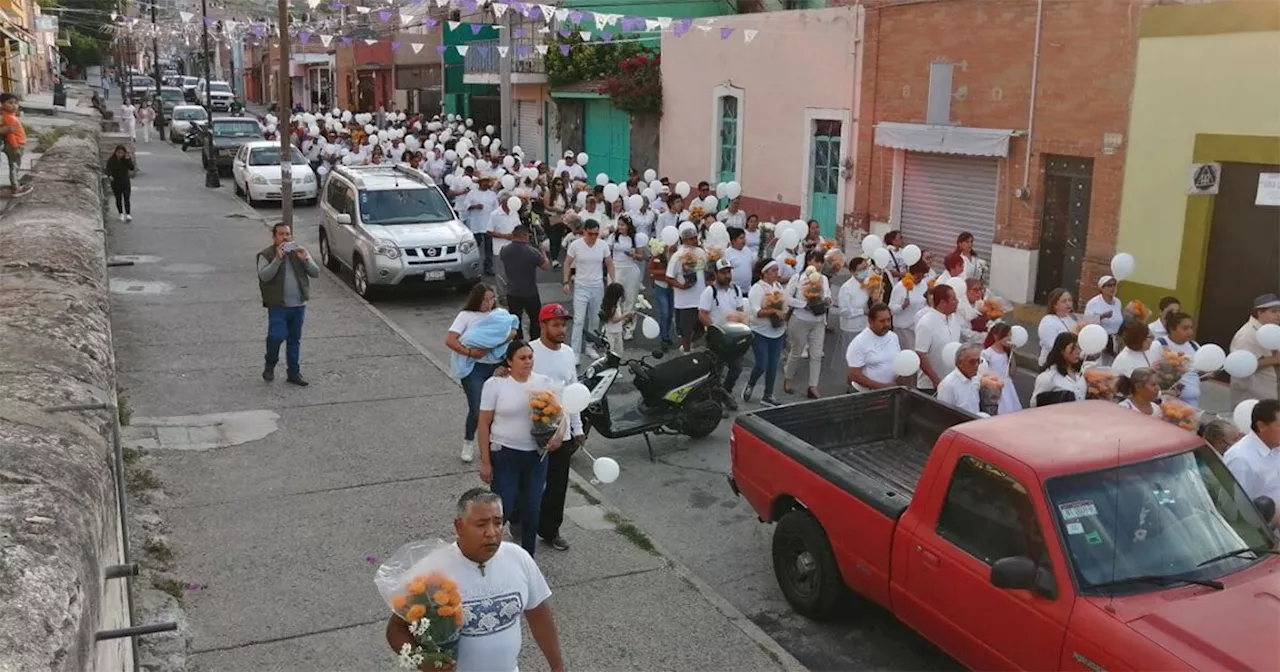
x: 960, y: 387
x: 937, y: 327
x: 1255, y: 459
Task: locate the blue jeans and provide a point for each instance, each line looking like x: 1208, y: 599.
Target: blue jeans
x: 664, y: 301
x: 284, y: 325
x: 472, y: 385
x: 519, y: 476
x: 768, y: 352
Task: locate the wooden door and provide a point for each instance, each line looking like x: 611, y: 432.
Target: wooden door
x: 824, y: 170
x: 1064, y: 224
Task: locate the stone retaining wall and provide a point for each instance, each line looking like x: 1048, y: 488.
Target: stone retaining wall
x: 59, y: 523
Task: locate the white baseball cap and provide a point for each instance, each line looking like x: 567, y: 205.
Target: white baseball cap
x: 723, y: 263
x: 1105, y: 280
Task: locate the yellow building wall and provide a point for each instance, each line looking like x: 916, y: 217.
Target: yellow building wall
x: 1221, y: 84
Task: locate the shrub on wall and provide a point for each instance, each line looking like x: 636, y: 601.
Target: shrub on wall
x: 637, y: 87
x: 630, y: 74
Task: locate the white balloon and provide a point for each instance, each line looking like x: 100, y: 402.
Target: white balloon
x: 906, y: 363
x: 656, y: 186
x: 718, y: 229
x: 642, y: 240
x: 670, y: 236
x: 911, y: 254
x: 468, y: 122
x: 800, y: 226
x: 508, y: 161
x: 720, y: 190
x: 649, y: 194
x: 957, y: 285
x: 871, y: 243
x: 1210, y: 357
x: 710, y: 204
x: 634, y: 201
x: 949, y: 355
x: 788, y: 239
x: 733, y: 190
x: 1241, y: 364
x: 1269, y: 336
x: 1243, y: 414
x: 508, y: 182
x: 517, y: 151
x: 611, y: 193
x: 582, y: 199
x: 649, y: 327
x: 606, y: 469
x: 602, y: 179
x: 488, y: 129
x: 682, y: 189
x: 575, y: 398
x: 468, y: 162
x: 496, y: 144
x: 1018, y: 334
x: 650, y: 175
x: 882, y: 258
x: 450, y: 156
x: 583, y: 158
x: 1122, y: 265
x: 514, y: 203
x: 484, y: 140
x: 1092, y: 339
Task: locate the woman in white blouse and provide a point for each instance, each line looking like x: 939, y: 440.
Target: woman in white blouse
x: 1137, y: 340
x: 644, y: 218
x: 1057, y: 320
x: 1061, y: 379
x: 1179, y: 328
x: 627, y: 259
x: 1144, y: 393
x: 907, y: 304
x: 807, y: 329
x: 753, y: 234
x: 769, y: 325
x: 973, y: 266
x: 872, y: 353
x: 852, y: 302
x: 1106, y: 310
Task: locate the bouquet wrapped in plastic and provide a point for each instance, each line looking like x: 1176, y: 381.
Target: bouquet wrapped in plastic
x: 811, y: 289
x: 697, y: 214
x: 417, y: 589
x: 692, y: 260
x: 832, y: 262
x: 990, y: 388
x: 1137, y: 310
x: 547, y: 416
x: 994, y: 307
x: 1180, y: 413
x: 775, y: 299
x: 1173, y: 365
x: 714, y: 252
x: 1100, y: 383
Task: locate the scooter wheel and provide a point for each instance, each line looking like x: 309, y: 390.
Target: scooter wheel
x: 702, y: 417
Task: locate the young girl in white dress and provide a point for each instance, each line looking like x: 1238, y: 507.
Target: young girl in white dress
x: 998, y: 358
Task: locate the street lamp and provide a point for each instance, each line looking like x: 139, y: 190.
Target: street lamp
x: 211, y: 178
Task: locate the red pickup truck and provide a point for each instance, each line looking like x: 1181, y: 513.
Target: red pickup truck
x: 1078, y: 536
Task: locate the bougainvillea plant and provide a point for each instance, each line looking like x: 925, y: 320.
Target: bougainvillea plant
x: 637, y: 87
x: 629, y: 73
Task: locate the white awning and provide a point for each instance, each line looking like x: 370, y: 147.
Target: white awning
x: 944, y: 139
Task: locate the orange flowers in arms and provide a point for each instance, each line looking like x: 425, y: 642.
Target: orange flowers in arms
x: 791, y: 261
x: 428, y: 601
x: 1138, y: 310
x: 1180, y: 414
x: 909, y: 282
x: 994, y: 308
x: 546, y: 413
x: 1173, y: 365
x: 1100, y: 383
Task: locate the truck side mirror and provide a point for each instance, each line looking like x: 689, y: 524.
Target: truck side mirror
x: 1021, y: 573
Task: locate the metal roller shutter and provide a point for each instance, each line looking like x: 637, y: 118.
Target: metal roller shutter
x: 944, y: 195
x: 528, y: 132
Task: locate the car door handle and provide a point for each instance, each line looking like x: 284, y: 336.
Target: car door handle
x: 929, y: 558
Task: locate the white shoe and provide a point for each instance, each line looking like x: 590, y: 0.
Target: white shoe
x: 128, y: 218
x: 468, y: 450
x: 121, y: 215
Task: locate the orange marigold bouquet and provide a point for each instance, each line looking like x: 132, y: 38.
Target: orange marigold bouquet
x: 1180, y: 413
x: 714, y: 252
x: 994, y: 307
x: 775, y: 299
x: 1100, y: 383
x: 832, y: 261
x: 990, y: 388
x: 1173, y: 365
x: 790, y: 261
x: 546, y: 414
x: 827, y: 245
x: 1137, y: 310
x: 692, y: 260
x: 416, y: 589
x: 909, y: 282
x: 811, y: 289
x: 697, y: 214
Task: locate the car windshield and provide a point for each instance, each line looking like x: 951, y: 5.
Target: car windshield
x: 189, y: 81
x: 404, y: 206
x: 236, y: 129
x: 170, y: 95
x: 219, y: 87
x: 270, y: 156
x: 189, y: 114
x: 1162, y: 518
x: 142, y: 82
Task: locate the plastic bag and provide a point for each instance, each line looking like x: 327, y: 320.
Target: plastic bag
x: 1100, y: 383
x: 415, y: 586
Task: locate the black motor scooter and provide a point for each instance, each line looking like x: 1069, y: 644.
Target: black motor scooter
x: 684, y: 395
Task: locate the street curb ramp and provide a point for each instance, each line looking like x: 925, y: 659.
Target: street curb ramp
x: 59, y: 520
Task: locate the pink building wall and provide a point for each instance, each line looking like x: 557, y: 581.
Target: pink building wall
x: 800, y: 65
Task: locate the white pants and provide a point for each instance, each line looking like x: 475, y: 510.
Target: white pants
x: 586, y: 312
x: 801, y: 333
x: 628, y: 275
x: 131, y: 127
x: 146, y: 132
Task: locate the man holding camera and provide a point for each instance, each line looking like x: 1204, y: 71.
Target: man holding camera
x: 284, y: 278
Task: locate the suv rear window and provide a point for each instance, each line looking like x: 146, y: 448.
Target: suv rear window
x: 404, y: 206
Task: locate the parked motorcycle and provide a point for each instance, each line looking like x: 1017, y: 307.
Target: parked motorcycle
x: 194, y: 137
x: 684, y: 395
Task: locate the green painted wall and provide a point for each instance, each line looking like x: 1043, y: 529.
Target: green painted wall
x: 675, y: 10
x: 457, y: 96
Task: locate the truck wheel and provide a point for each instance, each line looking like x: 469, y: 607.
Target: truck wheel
x: 806, y: 567
x: 701, y: 417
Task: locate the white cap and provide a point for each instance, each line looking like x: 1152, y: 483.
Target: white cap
x: 688, y: 230
x: 723, y: 263
x: 1105, y: 280
x: 568, y: 154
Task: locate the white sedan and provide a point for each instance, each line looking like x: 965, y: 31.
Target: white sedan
x: 256, y: 172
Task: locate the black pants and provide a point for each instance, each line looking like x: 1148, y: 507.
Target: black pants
x: 555, y: 235
x: 526, y: 308
x: 551, y: 515
x: 122, y: 192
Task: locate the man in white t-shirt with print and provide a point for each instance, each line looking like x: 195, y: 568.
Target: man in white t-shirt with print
x: 588, y: 262
x: 687, y: 291
x: 719, y: 300
x: 937, y: 327
x: 498, y: 582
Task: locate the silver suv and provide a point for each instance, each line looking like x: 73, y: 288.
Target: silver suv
x: 392, y: 225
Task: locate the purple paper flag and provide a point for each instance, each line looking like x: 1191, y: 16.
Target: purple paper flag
x: 432, y: 23
x: 564, y: 50
x: 346, y: 41
x: 441, y: 48
x: 523, y: 50
x: 469, y: 5
x: 395, y: 44
x: 415, y: 3
x: 304, y: 37
x: 259, y: 30
x: 535, y: 13
x: 679, y: 28
x: 337, y: 5
x: 565, y: 33
x: 384, y: 15
x: 481, y: 49
x: 208, y: 22
x: 519, y: 32
x: 725, y: 33
x: 576, y: 17
x: 606, y: 36
x: 476, y: 28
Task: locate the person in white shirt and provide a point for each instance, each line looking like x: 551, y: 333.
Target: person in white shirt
x: 718, y: 302
x: 593, y: 261
x: 960, y: 387
x: 1137, y: 341
x: 807, y: 328
x: 1057, y: 320
x: 502, y: 227
x: 1105, y: 308
x: 1255, y: 459
x: 1061, y: 379
x: 687, y: 286
x: 553, y: 359
x: 628, y: 262
x: 998, y: 360
x: 129, y: 119
x: 1265, y: 382
x: 769, y: 326
x: 872, y: 353
x: 742, y: 257
x: 733, y: 215
x: 1168, y: 306
x: 571, y: 168
x: 790, y: 261
x: 973, y: 266
x: 1177, y: 339
x: 643, y: 219
x: 937, y: 327
x: 909, y: 304
x: 480, y: 204
x: 851, y: 304
x: 671, y: 217
x: 1144, y: 393
x: 498, y: 582
x: 753, y: 234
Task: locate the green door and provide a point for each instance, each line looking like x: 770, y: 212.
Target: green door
x: 825, y: 168
x: 606, y: 135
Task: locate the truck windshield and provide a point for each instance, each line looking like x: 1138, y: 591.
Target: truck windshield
x: 237, y: 129
x: 1162, y: 518
x: 404, y: 206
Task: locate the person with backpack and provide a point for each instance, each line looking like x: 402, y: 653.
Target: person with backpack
x: 720, y: 300
x: 15, y: 138
x: 1179, y: 327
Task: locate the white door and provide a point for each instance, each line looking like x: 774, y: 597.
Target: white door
x: 945, y: 195
x: 528, y: 131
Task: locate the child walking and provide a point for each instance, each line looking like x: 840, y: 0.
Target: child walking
x: 616, y: 316
x: 15, y: 138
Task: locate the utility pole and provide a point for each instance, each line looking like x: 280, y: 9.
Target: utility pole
x: 504, y: 82
x: 285, y: 108
x: 211, y: 178
x: 155, y: 62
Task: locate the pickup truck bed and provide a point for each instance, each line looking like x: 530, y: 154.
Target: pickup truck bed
x: 874, y: 445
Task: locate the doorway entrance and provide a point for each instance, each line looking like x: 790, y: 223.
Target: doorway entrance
x: 824, y: 167
x: 1064, y: 224
x: 1243, y: 259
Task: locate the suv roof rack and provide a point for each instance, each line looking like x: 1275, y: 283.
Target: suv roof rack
x: 414, y: 172
x: 346, y: 172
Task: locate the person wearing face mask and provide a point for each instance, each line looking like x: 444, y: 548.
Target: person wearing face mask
x: 1106, y: 309
x: 852, y: 302
x: 1179, y: 327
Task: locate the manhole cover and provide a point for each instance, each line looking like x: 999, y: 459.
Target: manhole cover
x: 127, y: 286
x: 136, y: 258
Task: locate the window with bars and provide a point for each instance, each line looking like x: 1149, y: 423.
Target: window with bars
x: 826, y: 156
x: 728, y: 139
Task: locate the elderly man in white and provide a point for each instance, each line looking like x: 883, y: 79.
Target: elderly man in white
x: 960, y: 387
x: 1255, y: 459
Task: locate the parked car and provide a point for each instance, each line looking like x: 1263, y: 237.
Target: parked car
x: 229, y: 135
x: 220, y: 95
x: 189, y: 89
x: 1073, y: 536
x: 181, y: 119
x: 141, y: 87
x: 256, y: 172
x: 393, y: 226
x: 170, y: 97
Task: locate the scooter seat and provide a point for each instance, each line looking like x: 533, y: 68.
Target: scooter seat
x: 671, y: 374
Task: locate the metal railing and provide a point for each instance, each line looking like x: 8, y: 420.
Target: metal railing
x: 483, y: 58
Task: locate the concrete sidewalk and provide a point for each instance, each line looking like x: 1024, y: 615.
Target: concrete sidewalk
x: 274, y: 495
